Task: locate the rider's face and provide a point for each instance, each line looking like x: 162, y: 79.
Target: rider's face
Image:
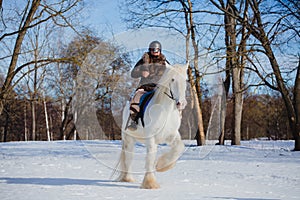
x: 155, y: 52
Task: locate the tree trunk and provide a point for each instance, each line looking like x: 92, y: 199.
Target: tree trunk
x: 291, y: 107
x: 6, y: 88
x: 238, y: 79
x: 63, y: 117
x: 227, y: 81
x: 7, y: 121
x: 47, y: 121
x: 25, y: 121
x: 297, y: 143
x: 33, y: 137
x: 296, y: 130
x: 228, y: 69
x: 200, y: 135
x: 223, y: 116
x: 35, y: 92
x: 237, y: 109
x: 196, y: 84
x: 75, y: 121
x: 232, y: 62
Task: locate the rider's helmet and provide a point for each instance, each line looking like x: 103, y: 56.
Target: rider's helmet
x: 155, y: 46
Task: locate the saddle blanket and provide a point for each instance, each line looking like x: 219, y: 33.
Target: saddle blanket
x: 144, y: 101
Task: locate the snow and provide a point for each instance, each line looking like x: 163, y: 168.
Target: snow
x: 72, y: 170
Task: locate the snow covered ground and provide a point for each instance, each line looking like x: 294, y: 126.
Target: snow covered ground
x: 72, y: 170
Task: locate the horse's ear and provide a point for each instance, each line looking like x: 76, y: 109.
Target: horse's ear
x: 168, y: 65
x: 186, y: 65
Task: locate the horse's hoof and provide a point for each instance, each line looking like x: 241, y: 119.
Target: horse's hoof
x: 149, y: 182
x: 126, y: 179
x: 152, y: 186
x: 148, y: 185
x: 164, y: 167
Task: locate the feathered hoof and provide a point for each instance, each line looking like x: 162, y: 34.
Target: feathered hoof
x: 126, y: 179
x: 149, y: 182
x: 163, y: 166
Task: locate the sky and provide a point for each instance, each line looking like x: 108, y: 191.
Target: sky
x: 105, y: 18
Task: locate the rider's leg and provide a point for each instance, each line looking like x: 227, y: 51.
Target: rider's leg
x: 135, y: 108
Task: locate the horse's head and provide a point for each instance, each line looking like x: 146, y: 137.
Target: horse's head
x: 175, y: 79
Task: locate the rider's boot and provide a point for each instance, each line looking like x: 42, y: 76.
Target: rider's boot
x: 133, y: 120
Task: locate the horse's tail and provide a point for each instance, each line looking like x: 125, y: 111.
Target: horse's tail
x: 116, y: 169
x: 122, y: 168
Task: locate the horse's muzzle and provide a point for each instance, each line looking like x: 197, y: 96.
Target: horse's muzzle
x: 181, y: 104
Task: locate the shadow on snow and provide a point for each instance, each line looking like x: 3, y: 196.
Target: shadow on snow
x: 65, y: 181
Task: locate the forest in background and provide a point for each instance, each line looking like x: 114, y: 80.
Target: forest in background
x: 255, y: 45
x: 264, y: 116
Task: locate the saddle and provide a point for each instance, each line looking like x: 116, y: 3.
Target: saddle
x: 144, y: 101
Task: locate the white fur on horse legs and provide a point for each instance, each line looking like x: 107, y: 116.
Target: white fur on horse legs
x: 168, y: 160
x: 149, y: 181
x: 126, y: 159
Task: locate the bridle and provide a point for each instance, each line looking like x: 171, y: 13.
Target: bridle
x: 171, y: 96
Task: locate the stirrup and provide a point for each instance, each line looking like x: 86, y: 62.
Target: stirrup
x: 133, y: 119
x: 135, y: 115
x: 132, y: 126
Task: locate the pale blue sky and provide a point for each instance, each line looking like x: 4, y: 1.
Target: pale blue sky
x: 105, y: 18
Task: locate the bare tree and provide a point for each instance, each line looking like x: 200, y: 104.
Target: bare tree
x: 232, y: 64
x: 64, y: 75
x: 97, y: 65
x: 268, y: 31
x: 282, y: 25
x: 292, y: 103
x: 33, y: 14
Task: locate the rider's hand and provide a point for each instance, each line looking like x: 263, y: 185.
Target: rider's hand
x: 145, y: 74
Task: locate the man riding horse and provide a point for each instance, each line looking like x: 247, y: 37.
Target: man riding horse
x: 149, y: 68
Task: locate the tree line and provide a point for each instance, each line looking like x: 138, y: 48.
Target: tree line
x: 264, y: 116
x: 253, y: 43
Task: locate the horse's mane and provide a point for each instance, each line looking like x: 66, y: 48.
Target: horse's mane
x: 169, y: 72
x: 166, y: 78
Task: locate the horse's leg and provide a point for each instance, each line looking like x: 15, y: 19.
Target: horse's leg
x: 168, y: 160
x: 126, y: 159
x: 149, y: 181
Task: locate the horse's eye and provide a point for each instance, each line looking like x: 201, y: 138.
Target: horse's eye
x: 173, y: 80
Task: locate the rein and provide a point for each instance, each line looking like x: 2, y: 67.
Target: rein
x: 171, y: 96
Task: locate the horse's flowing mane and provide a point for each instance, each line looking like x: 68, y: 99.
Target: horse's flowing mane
x: 164, y: 82
x: 170, y: 71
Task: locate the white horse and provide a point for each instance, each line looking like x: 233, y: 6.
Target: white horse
x: 162, y: 120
